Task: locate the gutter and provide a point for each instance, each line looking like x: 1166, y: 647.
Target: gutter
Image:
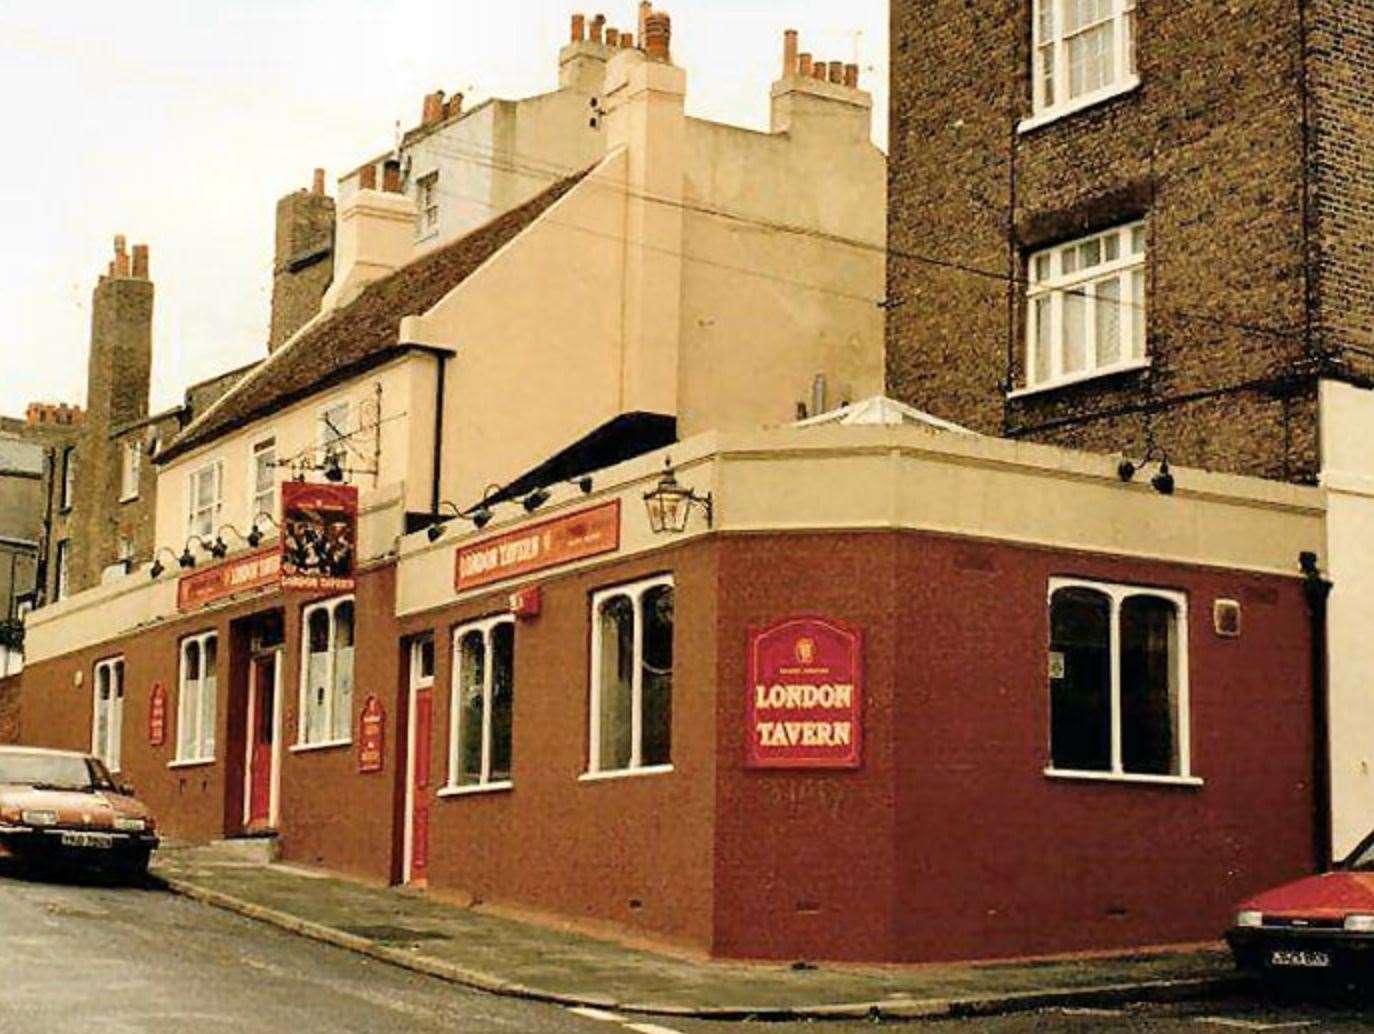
x: 1316, y: 590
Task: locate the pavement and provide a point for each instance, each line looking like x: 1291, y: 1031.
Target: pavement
x: 517, y: 960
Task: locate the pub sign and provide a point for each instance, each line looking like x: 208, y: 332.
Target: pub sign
x: 157, y: 715
x: 319, y: 540
x: 371, y: 736
x: 805, y: 699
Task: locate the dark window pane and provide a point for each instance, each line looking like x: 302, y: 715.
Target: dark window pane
x: 472, y: 673
x: 658, y: 676
x: 1080, y: 680
x: 616, y: 685
x: 1149, y: 686
x: 502, y: 698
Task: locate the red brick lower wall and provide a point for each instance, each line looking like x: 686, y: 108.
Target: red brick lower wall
x: 951, y: 842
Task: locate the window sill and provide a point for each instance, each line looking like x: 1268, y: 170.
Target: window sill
x: 190, y: 763
x: 1122, y: 777
x: 1088, y: 100
x: 479, y: 788
x: 129, y: 498
x: 1079, y: 378
x: 624, y: 773
x: 303, y: 748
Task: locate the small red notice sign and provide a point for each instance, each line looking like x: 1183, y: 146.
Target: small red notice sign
x: 255, y: 571
x: 586, y: 533
x: 157, y: 715
x: 805, y: 695
x: 371, y: 736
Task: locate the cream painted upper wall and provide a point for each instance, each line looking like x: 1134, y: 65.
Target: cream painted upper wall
x: 405, y: 428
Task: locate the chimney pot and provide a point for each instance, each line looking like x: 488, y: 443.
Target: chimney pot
x: 613, y: 37
x: 119, y: 244
x: 818, y: 70
x: 455, y: 106
x: 433, y: 109
x: 627, y: 41
x: 598, y: 23
x: 789, y: 53
x: 837, y: 71
x: 317, y: 182
x: 367, y: 177
x: 658, y: 37
x: 804, y: 65
x: 851, y: 76
x: 579, y: 28
x: 645, y: 9
x: 391, y: 176
x: 140, y: 262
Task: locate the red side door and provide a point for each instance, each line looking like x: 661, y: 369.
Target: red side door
x: 263, y: 738
x: 420, y: 784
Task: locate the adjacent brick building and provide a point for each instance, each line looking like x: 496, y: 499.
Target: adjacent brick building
x: 1240, y: 143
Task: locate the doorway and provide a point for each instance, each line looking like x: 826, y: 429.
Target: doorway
x: 419, y: 751
x: 262, y: 723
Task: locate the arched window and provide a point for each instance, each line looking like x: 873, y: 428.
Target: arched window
x: 1118, y: 675
x: 483, y: 704
x: 108, y: 711
x: 196, y: 699
x: 632, y: 678
x: 326, y: 695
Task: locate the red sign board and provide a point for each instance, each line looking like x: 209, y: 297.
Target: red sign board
x: 254, y: 571
x: 319, y: 539
x: 371, y: 736
x: 579, y: 535
x: 157, y: 715
x: 526, y: 602
x: 805, y: 695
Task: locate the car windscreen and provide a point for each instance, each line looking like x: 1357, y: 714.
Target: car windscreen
x: 53, y: 772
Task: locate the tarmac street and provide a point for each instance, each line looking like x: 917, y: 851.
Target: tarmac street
x: 94, y: 956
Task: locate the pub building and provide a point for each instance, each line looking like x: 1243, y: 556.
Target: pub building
x: 863, y: 688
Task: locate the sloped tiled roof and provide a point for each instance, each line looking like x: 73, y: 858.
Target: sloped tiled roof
x: 365, y: 332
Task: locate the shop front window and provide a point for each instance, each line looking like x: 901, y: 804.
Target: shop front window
x: 632, y: 678
x: 1118, y: 677
x: 108, y: 712
x: 326, y: 706
x: 482, y: 706
x: 197, y: 699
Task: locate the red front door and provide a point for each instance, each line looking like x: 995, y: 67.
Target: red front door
x: 262, y: 742
x: 420, y: 789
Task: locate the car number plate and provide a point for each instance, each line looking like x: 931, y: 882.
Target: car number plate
x: 1305, y: 959
x: 87, y: 840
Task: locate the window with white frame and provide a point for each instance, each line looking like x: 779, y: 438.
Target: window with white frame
x: 197, y: 706
x: 336, y: 424
x: 1085, y: 308
x: 427, y: 204
x: 326, y: 706
x: 62, y: 576
x: 264, y: 499
x: 107, y: 720
x: 68, y: 476
x: 632, y: 677
x: 1084, y: 50
x: 482, y: 706
x: 205, y: 500
x: 1118, y: 677
x: 129, y: 471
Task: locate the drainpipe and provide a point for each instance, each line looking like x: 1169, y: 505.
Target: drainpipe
x: 1315, y: 591
x: 441, y: 359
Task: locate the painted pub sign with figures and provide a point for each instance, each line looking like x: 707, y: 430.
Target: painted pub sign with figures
x: 805, y: 695
x: 319, y: 538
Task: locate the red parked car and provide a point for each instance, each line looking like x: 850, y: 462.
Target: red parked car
x: 1318, y: 925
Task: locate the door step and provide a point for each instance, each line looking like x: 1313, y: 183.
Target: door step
x: 258, y: 850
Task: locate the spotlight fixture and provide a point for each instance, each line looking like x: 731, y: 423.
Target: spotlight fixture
x: 254, y: 537
x: 333, y: 469
x: 155, y: 571
x: 219, y: 549
x: 435, y: 531
x: 481, y: 516
x: 1125, y: 470
x: 1163, y: 482
x: 535, y: 500
x: 670, y: 504
x: 584, y: 483
x: 186, y: 560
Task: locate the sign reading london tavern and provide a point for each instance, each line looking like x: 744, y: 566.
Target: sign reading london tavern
x: 254, y: 571
x: 586, y: 533
x: 805, y: 695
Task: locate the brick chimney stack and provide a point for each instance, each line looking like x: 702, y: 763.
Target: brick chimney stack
x: 303, y: 259
x: 658, y: 37
x: 821, y: 94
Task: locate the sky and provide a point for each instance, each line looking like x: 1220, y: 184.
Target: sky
x: 180, y: 122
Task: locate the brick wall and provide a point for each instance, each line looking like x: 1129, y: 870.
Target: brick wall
x: 1209, y: 150
x: 9, y: 709
x: 304, y: 260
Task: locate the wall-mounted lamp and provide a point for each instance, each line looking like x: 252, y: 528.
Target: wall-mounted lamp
x: 584, y: 483
x: 670, y: 504
x: 1162, y: 482
x: 535, y: 500
x: 158, y: 567
x: 436, y: 530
